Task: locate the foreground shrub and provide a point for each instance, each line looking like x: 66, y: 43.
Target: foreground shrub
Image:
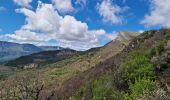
x: 140, y: 86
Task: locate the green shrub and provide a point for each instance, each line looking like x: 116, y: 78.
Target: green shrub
x: 160, y: 46
x: 158, y: 49
x: 137, y: 65
x: 153, y: 52
x: 100, y: 89
x: 168, y: 34
x: 140, y: 87
x: 139, y: 73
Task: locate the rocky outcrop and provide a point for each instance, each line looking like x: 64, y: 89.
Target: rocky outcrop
x: 29, y: 66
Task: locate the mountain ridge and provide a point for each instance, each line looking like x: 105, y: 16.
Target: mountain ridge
x: 11, y: 50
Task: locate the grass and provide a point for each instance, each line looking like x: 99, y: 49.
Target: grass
x: 58, y: 73
x: 137, y: 72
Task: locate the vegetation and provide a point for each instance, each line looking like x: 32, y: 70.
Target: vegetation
x: 132, y: 76
x: 136, y: 75
x: 100, y: 89
x: 19, y: 87
x: 42, y: 58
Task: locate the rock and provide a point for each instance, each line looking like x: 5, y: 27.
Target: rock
x: 29, y: 66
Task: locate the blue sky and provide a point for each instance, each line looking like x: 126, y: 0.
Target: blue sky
x: 78, y: 24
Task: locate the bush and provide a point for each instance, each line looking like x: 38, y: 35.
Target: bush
x: 137, y: 65
x: 100, y: 89
x: 139, y: 73
x: 140, y: 87
x: 158, y: 49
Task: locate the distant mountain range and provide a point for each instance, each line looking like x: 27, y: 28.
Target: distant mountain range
x: 10, y: 50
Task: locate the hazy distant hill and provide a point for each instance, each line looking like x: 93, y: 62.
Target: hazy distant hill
x: 9, y: 50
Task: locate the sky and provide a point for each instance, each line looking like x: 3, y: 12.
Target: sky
x: 78, y: 24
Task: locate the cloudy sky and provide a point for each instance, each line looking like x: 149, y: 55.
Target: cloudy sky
x: 78, y: 24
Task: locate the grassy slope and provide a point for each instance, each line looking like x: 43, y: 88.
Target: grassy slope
x: 80, y: 63
x: 135, y: 75
x: 5, y: 72
x: 57, y: 74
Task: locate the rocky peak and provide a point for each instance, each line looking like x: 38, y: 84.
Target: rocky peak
x: 125, y: 37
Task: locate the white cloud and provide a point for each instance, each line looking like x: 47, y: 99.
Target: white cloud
x: 63, y: 6
x: 159, y: 14
x: 45, y: 24
x: 44, y: 19
x: 141, y: 31
x: 28, y: 36
x: 110, y: 12
x: 23, y: 3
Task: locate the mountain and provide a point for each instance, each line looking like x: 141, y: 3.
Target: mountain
x: 9, y: 50
x: 51, y: 48
x: 94, y: 55
x: 131, y: 67
x: 9, y: 46
x: 139, y: 72
x: 41, y: 58
x: 63, y: 70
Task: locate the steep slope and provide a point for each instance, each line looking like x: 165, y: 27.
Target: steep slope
x: 116, y: 45
x: 64, y: 75
x: 130, y: 75
x: 85, y: 61
x: 140, y: 71
x: 9, y: 50
x: 108, y: 65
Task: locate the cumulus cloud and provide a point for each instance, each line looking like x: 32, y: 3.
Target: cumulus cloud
x: 63, y: 6
x: 29, y: 36
x: 39, y: 20
x: 110, y: 12
x: 66, y: 30
x: 23, y: 3
x: 159, y: 14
